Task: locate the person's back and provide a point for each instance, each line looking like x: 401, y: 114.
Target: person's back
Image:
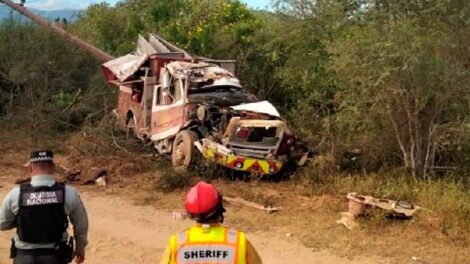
x: 40, y: 212
x: 208, y: 241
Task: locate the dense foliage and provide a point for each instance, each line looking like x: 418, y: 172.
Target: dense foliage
x: 46, y: 84
x: 372, y: 84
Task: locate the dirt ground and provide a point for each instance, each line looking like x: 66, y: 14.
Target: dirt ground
x: 122, y: 232
x: 130, y: 222
x: 128, y: 225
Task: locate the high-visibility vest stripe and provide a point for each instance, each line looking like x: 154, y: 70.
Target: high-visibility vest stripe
x: 182, y: 238
x: 231, y: 236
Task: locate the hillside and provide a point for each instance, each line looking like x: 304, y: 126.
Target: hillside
x: 69, y: 14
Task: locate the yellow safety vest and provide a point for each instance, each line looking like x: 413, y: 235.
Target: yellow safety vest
x: 208, y: 245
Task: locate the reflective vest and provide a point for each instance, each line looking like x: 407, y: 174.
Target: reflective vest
x: 204, y: 245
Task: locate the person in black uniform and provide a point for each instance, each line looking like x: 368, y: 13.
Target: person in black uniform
x: 40, y: 212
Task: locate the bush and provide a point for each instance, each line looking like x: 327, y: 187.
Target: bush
x: 171, y: 181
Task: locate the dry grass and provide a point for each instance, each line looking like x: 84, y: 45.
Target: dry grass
x: 311, y: 203
x: 446, y: 202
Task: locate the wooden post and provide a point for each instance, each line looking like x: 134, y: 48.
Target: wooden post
x: 97, y: 53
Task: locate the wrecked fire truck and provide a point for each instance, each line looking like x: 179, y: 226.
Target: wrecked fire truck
x: 188, y: 105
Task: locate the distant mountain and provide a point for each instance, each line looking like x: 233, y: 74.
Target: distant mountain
x: 69, y: 14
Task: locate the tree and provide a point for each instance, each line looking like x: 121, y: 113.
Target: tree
x: 44, y: 78
x: 398, y: 73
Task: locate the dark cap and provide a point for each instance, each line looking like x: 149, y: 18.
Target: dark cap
x: 42, y: 156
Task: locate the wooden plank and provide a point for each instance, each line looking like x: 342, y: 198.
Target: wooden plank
x: 243, y: 202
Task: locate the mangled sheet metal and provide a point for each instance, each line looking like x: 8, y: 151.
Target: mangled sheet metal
x: 163, y: 46
x: 236, y: 122
x: 254, y: 137
x: 154, y: 39
x: 157, y: 44
x: 124, y: 67
x: 214, y: 147
x: 239, y: 151
x: 201, y: 70
x: 144, y: 48
x: 182, y: 69
x: 359, y: 203
x: 229, y: 65
x: 208, y: 75
x: 263, y: 107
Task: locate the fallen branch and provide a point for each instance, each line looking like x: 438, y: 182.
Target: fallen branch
x: 117, y: 145
x: 74, y: 101
x: 92, y: 175
x: 241, y: 201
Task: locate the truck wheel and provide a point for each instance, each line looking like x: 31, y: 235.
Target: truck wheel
x: 183, y: 149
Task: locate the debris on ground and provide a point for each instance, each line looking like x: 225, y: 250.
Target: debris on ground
x: 92, y: 175
x: 90, y: 172
x: 418, y: 259
x: 179, y: 216
x: 67, y: 174
x: 243, y: 202
x: 347, y: 220
x: 359, y: 203
x: 101, y: 181
x: 73, y: 175
x: 74, y: 169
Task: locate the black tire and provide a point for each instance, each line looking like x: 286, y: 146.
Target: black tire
x: 183, y: 150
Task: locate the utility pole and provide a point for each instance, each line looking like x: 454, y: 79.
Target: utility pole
x: 97, y: 53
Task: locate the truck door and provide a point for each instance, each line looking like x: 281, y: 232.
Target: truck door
x: 168, y: 109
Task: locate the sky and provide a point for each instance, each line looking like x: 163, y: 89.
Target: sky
x: 81, y: 4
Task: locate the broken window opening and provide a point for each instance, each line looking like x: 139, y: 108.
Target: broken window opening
x: 256, y: 134
x: 176, y: 89
x: 169, y: 95
x: 137, y: 92
x: 167, y: 98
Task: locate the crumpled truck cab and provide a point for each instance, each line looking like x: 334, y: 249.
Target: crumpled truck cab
x: 188, y: 106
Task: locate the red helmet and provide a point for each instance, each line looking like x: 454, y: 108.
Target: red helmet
x: 203, y: 201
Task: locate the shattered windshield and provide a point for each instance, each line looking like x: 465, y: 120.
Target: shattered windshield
x: 220, y: 95
x: 214, y: 88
